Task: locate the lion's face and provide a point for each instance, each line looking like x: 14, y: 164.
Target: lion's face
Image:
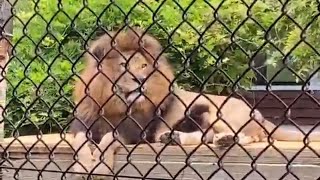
x: 126, y: 68
x: 129, y: 75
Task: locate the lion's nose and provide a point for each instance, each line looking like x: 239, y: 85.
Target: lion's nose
x: 139, y: 79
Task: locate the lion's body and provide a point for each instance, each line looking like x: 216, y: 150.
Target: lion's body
x: 113, y: 79
x: 228, y: 115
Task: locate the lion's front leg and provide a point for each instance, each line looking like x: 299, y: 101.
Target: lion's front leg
x: 104, y: 154
x: 81, y: 146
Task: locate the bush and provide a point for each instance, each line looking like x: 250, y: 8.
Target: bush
x: 50, y: 39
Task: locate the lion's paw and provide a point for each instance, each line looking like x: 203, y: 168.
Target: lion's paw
x: 100, y: 171
x: 80, y: 171
x: 225, y: 141
x: 102, y: 167
x: 174, y: 139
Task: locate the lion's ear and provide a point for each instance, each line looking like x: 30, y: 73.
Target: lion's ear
x: 98, y: 48
x: 98, y: 52
x: 152, y: 46
x: 149, y: 44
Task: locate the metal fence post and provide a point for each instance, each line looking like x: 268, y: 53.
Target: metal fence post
x: 6, y: 28
x: 6, y: 24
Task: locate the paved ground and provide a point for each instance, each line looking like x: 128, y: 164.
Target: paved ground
x: 237, y: 171
x: 236, y: 165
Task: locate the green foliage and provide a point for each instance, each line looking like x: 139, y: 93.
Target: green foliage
x: 50, y: 39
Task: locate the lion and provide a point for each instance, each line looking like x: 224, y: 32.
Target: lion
x: 126, y: 95
x: 126, y: 86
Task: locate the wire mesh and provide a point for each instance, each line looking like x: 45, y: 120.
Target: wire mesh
x: 214, y: 46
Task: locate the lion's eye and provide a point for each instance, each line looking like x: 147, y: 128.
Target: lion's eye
x: 144, y: 66
x: 123, y: 64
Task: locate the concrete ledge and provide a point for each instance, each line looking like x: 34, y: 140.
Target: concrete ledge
x: 51, y: 156
x: 59, y: 145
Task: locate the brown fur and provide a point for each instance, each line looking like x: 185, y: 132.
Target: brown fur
x: 92, y: 103
x: 101, y: 86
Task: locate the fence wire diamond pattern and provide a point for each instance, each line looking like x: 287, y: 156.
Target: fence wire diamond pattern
x: 155, y: 68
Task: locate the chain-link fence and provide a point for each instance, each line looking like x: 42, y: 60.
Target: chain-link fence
x: 166, y: 74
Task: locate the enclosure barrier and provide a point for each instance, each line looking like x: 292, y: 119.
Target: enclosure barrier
x: 238, y: 48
